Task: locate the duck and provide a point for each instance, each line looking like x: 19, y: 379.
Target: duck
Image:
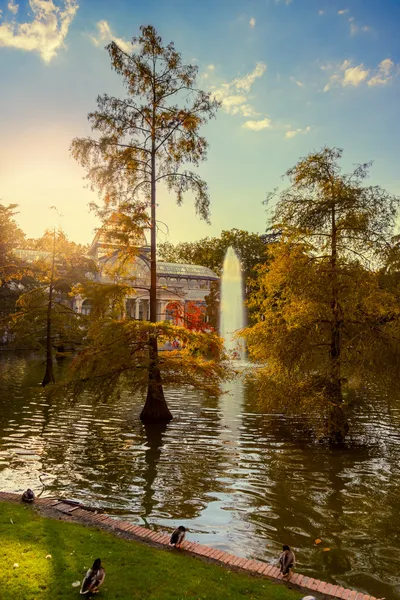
x: 28, y: 496
x: 178, y: 536
x: 287, y: 561
x: 93, y: 578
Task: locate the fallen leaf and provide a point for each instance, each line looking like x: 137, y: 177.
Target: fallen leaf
x: 49, y: 556
x: 318, y: 541
x: 12, y: 522
x: 16, y: 565
x: 326, y: 549
x: 76, y: 584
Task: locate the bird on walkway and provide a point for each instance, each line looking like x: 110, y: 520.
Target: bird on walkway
x: 28, y: 496
x: 308, y: 598
x: 93, y: 578
x: 287, y: 561
x: 178, y: 536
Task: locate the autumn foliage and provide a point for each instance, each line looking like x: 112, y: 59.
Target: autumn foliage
x: 192, y: 316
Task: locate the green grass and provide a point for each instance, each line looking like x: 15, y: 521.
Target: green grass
x: 133, y: 570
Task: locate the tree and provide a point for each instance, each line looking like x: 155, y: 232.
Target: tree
x: 146, y: 138
x: 192, y: 316
x: 11, y: 237
x: 212, y: 305
x: 43, y: 316
x: 322, y: 313
x: 11, y: 269
x: 210, y: 252
x: 116, y: 356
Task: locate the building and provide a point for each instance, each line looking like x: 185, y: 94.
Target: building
x: 178, y: 285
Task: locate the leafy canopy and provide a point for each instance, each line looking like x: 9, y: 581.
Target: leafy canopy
x: 160, y: 117
x: 324, y: 319
x: 116, y: 358
x: 210, y: 252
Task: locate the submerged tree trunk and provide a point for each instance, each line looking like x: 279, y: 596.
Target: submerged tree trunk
x: 336, y: 385
x: 155, y: 409
x: 49, y: 373
x: 337, y: 425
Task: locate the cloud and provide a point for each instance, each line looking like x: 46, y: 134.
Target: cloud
x: 105, y: 36
x: 210, y: 69
x: 287, y: 2
x: 354, y: 27
x: 45, y: 33
x: 235, y: 94
x: 384, y: 73
x: 245, y: 83
x: 355, y: 75
x: 297, y: 82
x: 13, y: 7
x: 347, y: 75
x: 252, y: 22
x: 293, y: 132
x: 257, y: 125
x: 321, y: 12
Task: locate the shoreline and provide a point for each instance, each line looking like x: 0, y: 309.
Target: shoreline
x: 58, y: 509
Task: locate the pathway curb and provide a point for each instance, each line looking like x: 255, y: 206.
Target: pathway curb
x: 80, y: 514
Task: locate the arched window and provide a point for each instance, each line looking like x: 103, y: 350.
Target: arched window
x: 86, y: 307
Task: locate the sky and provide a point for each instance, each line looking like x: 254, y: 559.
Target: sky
x: 292, y: 75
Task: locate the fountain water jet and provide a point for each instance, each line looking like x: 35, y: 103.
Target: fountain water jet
x: 232, y: 312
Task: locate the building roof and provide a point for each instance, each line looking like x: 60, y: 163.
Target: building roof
x: 183, y: 270
x: 31, y: 255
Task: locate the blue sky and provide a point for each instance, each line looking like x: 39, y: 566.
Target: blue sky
x: 292, y: 75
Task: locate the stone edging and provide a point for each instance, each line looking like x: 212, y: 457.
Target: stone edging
x: 307, y: 584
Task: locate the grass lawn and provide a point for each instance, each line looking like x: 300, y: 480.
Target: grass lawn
x: 133, y: 570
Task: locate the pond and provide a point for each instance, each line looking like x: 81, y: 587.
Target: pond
x: 240, y: 481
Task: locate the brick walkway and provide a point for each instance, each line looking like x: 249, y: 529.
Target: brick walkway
x: 306, y: 584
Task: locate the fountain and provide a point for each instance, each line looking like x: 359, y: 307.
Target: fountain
x: 232, y: 312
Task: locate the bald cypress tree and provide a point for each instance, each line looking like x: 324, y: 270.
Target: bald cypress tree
x: 144, y: 139
x: 324, y: 318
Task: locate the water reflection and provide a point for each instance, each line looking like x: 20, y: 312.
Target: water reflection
x: 238, y: 480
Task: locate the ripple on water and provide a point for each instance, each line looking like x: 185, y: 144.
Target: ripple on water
x: 238, y: 480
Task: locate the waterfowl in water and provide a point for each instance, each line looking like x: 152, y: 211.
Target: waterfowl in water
x: 93, y: 578
x: 178, y: 536
x: 287, y: 561
x: 28, y: 496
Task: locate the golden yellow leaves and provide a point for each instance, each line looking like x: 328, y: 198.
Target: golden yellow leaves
x: 318, y: 541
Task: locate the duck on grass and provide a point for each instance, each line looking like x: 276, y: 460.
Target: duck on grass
x: 134, y: 570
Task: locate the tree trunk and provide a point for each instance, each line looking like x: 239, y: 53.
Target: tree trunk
x: 155, y: 409
x: 335, y: 346
x: 49, y: 373
x: 337, y: 425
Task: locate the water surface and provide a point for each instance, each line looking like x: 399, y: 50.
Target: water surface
x: 240, y: 481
